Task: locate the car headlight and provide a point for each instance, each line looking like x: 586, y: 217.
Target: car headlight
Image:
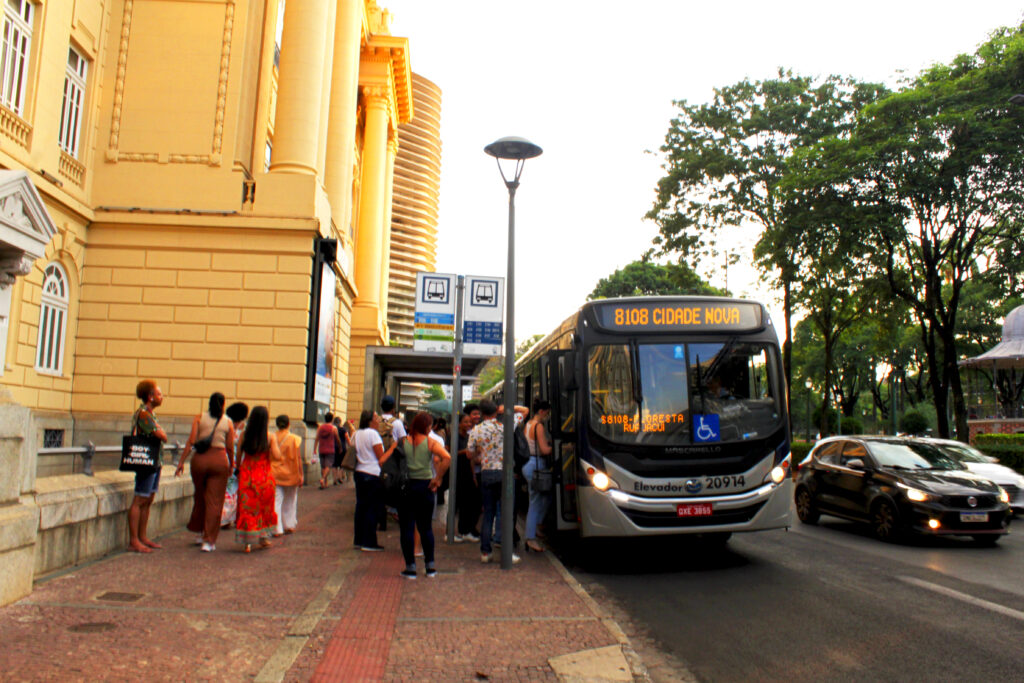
x: 916, y: 495
x: 1004, y: 495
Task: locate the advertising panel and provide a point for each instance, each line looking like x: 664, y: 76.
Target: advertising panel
x: 325, y: 337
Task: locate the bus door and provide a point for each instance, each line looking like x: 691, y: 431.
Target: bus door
x: 562, y: 390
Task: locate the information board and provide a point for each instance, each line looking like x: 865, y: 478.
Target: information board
x: 434, y: 318
x: 483, y: 313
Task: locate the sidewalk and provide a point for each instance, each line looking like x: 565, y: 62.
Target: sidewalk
x: 311, y: 608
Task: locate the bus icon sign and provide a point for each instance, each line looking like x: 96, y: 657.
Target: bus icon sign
x: 484, y: 293
x: 435, y: 290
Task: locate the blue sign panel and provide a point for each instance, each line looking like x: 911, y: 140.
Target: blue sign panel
x: 705, y: 428
x: 480, y: 332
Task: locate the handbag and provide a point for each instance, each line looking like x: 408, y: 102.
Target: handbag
x: 349, y: 461
x: 204, y: 444
x: 139, y: 452
x: 543, y: 480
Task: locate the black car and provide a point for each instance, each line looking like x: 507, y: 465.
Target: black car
x: 899, y: 485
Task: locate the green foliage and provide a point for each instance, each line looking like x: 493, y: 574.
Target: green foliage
x: 434, y: 393
x: 852, y: 425
x: 1008, y: 448
x: 494, y: 371
x: 643, y: 278
x: 800, y: 449
x: 913, y: 422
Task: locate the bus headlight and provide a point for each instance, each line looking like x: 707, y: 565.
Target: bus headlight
x: 779, y: 472
x: 600, y: 480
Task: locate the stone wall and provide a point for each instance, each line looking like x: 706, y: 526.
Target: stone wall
x: 995, y: 426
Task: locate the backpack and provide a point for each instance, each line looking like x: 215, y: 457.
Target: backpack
x: 387, y: 423
x: 520, y: 449
x: 394, y: 477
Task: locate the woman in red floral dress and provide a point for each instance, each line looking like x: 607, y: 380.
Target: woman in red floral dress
x: 256, y: 517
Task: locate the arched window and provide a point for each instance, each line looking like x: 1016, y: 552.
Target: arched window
x: 53, y: 321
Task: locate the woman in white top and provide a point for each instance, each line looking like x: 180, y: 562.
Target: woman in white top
x: 540, y: 449
x: 370, y: 454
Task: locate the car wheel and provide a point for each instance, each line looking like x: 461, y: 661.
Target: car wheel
x: 805, y: 508
x: 986, y: 540
x: 885, y: 522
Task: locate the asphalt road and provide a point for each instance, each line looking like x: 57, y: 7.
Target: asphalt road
x: 824, y: 603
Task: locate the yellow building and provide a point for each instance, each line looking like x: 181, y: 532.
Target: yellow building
x: 177, y: 172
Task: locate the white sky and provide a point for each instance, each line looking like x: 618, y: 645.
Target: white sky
x: 592, y: 83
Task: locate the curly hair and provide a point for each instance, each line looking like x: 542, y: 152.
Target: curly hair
x: 145, y: 389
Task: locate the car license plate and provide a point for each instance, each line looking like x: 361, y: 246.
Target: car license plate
x: 973, y: 516
x: 693, y: 510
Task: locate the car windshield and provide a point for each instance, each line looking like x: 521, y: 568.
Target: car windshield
x: 677, y: 393
x: 965, y: 452
x: 912, y: 456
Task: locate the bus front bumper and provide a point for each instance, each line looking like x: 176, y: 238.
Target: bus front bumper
x: 617, y: 513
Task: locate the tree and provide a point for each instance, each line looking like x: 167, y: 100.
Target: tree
x: 937, y: 174
x: 644, y: 278
x: 725, y: 159
x: 434, y: 393
x: 494, y: 370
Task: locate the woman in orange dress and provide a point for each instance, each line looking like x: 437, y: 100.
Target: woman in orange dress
x: 256, y: 517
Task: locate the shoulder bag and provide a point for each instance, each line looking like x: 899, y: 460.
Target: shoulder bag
x: 543, y: 479
x: 139, y: 452
x: 204, y: 444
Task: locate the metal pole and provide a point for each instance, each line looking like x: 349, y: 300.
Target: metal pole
x: 453, y: 428
x: 508, y: 512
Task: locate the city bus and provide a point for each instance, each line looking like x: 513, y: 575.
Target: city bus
x: 668, y: 417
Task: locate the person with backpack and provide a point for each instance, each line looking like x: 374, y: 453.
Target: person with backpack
x: 370, y: 455
x: 326, y: 444
x: 426, y: 462
x: 392, y: 431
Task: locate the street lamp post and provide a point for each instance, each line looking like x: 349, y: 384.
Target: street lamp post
x: 518, y: 150
x: 810, y: 427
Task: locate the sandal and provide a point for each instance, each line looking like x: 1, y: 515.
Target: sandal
x: 265, y: 543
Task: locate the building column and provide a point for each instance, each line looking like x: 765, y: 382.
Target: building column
x: 300, y: 87
x: 341, y: 129
x: 325, y: 90
x: 370, y: 235
x: 385, y: 280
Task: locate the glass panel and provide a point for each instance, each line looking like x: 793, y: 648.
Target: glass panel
x: 736, y: 395
x: 613, y: 410
x: 566, y: 402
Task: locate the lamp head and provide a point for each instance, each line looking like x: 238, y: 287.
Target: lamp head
x: 513, y: 148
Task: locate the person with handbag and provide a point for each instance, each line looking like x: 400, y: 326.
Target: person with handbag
x: 146, y: 482
x: 211, y: 439
x: 537, y: 472
x: 427, y: 461
x: 288, y: 477
x: 326, y: 446
x: 256, y: 516
x: 370, y: 455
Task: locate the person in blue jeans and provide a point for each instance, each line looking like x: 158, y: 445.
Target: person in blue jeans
x: 427, y: 461
x: 486, y: 446
x: 540, y: 451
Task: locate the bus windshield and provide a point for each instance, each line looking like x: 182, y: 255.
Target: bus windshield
x: 666, y: 394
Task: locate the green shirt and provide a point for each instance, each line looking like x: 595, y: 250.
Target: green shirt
x: 419, y: 459
x: 147, y: 424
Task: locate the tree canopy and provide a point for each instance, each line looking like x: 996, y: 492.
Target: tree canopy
x: 644, y: 278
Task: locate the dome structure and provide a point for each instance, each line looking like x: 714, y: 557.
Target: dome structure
x: 1008, y: 353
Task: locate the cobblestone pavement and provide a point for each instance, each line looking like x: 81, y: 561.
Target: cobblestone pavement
x: 311, y: 607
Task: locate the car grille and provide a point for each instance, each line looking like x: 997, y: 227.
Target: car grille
x: 960, y: 502
x: 670, y: 519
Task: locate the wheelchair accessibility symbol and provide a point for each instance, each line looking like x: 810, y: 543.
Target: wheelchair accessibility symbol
x: 705, y: 428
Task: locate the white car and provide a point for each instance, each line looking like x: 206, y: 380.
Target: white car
x: 988, y: 467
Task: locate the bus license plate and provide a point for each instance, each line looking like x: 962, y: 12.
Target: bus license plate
x: 693, y: 510
x: 973, y: 516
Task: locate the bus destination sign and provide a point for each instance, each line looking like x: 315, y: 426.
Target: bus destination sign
x: 670, y: 316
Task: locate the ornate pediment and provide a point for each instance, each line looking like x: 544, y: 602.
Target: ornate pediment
x: 25, y: 225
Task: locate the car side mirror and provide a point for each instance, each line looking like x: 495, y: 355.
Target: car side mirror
x: 856, y: 464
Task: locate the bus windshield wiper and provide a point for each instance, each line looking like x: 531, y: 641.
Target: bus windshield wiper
x: 638, y: 391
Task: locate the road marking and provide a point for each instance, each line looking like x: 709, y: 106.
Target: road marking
x: 964, y: 597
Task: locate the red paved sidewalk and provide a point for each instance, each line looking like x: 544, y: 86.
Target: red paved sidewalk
x: 309, y: 608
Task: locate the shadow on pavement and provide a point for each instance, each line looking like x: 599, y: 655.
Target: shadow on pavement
x: 913, y: 540
x: 664, y: 555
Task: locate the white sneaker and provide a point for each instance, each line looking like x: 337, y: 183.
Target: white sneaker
x: 472, y: 537
x: 208, y: 548
x: 458, y: 538
x: 516, y: 559
x: 199, y: 540
x: 486, y: 558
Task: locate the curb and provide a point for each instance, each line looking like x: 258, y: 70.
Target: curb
x: 636, y: 665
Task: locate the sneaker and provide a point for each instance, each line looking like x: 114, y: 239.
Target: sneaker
x: 458, y: 538
x: 431, y: 572
x: 207, y: 547
x: 199, y: 540
x: 472, y: 537
x: 410, y: 573
x: 371, y: 548
x: 516, y: 559
x: 485, y: 558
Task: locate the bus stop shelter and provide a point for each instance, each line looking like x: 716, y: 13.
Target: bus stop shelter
x: 388, y: 367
